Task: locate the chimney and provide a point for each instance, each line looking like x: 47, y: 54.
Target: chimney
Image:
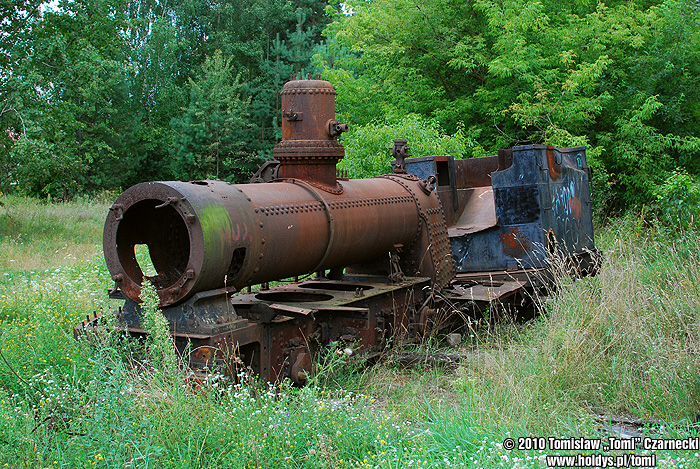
x: 309, y: 150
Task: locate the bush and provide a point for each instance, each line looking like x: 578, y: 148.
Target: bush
x: 678, y: 202
x: 161, y: 349
x: 368, y: 147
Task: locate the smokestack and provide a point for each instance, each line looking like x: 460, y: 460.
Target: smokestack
x: 309, y: 150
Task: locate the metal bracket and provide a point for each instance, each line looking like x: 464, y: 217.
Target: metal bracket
x: 396, y: 275
x: 168, y: 201
x: 428, y: 185
x: 118, y: 210
x: 400, y: 153
x: 335, y: 128
x: 267, y: 172
x: 292, y: 116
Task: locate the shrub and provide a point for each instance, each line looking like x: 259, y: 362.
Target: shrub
x: 161, y: 349
x: 678, y: 202
x: 368, y: 147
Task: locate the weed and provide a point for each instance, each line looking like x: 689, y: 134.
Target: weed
x: 161, y: 348
x: 625, y: 341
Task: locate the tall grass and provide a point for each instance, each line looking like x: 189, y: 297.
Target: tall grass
x: 623, y: 342
x: 99, y: 404
x: 36, y: 235
x: 628, y: 339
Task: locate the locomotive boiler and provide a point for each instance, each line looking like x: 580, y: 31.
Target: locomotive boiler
x: 386, y: 253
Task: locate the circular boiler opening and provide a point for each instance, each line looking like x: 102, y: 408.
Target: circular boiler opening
x: 292, y: 296
x: 153, y: 243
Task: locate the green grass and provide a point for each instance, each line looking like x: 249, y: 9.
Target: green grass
x: 625, y: 342
x: 35, y: 235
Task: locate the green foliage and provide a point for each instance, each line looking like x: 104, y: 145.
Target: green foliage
x: 89, y: 89
x: 622, y: 78
x: 69, y: 92
x: 643, y: 154
x: 678, y: 200
x: 333, y: 363
x: 35, y: 234
x: 623, y: 342
x: 160, y: 346
x: 368, y: 147
x: 17, y: 18
x: 46, y: 170
x: 207, y: 142
x: 100, y: 95
x: 629, y: 335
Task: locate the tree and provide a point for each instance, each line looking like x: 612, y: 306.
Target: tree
x: 206, y: 142
x: 71, y: 89
x: 268, y: 41
x: 101, y: 89
x: 622, y: 78
x: 18, y: 17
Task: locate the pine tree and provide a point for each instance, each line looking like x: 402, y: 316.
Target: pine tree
x: 205, y: 144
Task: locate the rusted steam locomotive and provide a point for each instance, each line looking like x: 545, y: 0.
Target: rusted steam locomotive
x: 386, y: 254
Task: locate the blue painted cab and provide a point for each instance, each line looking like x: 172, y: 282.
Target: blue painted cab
x: 517, y: 210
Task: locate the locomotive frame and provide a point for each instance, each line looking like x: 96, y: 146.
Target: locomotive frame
x: 436, y: 237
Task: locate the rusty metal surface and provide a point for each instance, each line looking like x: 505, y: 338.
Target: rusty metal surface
x: 430, y: 254
x: 441, y: 170
x: 361, y: 311
x: 207, y: 239
x: 194, y: 243
x: 480, y: 230
x: 476, y: 172
x: 485, y: 291
x: 519, y: 209
x: 309, y: 150
x: 479, y: 213
x: 316, y: 295
x: 530, y: 277
x: 206, y: 235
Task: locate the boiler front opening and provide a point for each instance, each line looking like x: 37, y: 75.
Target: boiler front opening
x: 165, y: 233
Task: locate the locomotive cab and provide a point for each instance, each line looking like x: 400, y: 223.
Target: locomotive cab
x: 515, y: 213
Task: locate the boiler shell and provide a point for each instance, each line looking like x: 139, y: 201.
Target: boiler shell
x: 204, y: 235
